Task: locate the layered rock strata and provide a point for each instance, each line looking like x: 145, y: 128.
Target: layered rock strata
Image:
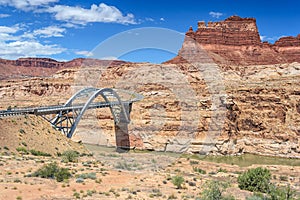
x: 236, y: 41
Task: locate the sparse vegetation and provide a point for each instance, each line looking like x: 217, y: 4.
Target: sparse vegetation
x: 124, y: 165
x: 52, y: 171
x: 222, y: 170
x: 70, y: 156
x: 38, y: 153
x: 275, y: 193
x: 76, y: 195
x: 281, y: 193
x: 200, y: 171
x: 22, y: 150
x: 255, y: 180
x: 214, y: 191
x: 283, y: 178
x: 194, y: 162
x: 178, y: 181
x: 91, y: 175
x: 24, y: 144
x: 22, y: 131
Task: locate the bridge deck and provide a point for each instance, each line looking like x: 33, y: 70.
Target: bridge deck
x: 55, y: 109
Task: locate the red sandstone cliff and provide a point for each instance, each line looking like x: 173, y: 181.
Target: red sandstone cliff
x: 236, y: 41
x: 43, y: 67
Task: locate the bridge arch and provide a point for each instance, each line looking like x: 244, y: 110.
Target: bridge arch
x: 82, y: 92
x: 67, y: 123
x: 117, y: 108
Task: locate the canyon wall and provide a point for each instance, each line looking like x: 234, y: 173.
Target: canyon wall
x: 41, y: 67
x: 260, y: 108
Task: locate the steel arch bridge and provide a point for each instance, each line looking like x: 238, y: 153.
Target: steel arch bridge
x: 65, y: 118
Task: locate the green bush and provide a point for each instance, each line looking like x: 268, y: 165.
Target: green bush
x: 199, y: 170
x: 62, y: 174
x: 281, y: 193
x: 255, y: 180
x: 22, y: 131
x: 214, y: 190
x: 177, y: 181
x: 256, y: 197
x: 52, y: 171
x: 275, y: 193
x: 22, y: 150
x: 39, y: 153
x: 91, y: 175
x: 70, y: 156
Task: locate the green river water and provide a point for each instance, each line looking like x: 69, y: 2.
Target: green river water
x: 244, y: 160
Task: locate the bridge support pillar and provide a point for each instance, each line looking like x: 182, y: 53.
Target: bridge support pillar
x: 122, y: 137
x: 121, y: 131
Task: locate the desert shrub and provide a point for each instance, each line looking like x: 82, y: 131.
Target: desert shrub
x: 52, y: 171
x: 124, y: 165
x: 70, y: 156
x: 62, y: 174
x: 281, y: 193
x: 255, y: 180
x: 283, y: 178
x: 76, y: 195
x: 91, y: 175
x: 275, y: 193
x: 22, y: 150
x: 256, y: 197
x: 177, y: 181
x: 38, y: 153
x: 194, y: 162
x: 22, y: 131
x: 214, y: 191
x: 222, y: 170
x: 199, y: 170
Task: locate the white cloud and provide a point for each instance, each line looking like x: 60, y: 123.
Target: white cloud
x: 101, y: 13
x: 162, y: 19
x: 270, y: 39
x: 50, y: 31
x: 17, y: 41
x: 8, y: 33
x: 149, y: 19
x: 84, y: 53
x: 6, y: 29
x: 215, y: 14
x: 4, y: 15
x: 26, y: 5
x: 16, y: 49
x: 109, y: 58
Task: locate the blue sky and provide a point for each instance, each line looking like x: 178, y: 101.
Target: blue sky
x: 65, y: 29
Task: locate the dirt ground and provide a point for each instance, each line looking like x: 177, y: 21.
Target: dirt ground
x: 131, y: 175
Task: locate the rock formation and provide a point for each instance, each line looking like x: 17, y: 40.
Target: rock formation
x: 236, y: 41
x: 248, y: 103
x: 42, y: 67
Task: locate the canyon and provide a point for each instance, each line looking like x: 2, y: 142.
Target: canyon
x: 226, y: 92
